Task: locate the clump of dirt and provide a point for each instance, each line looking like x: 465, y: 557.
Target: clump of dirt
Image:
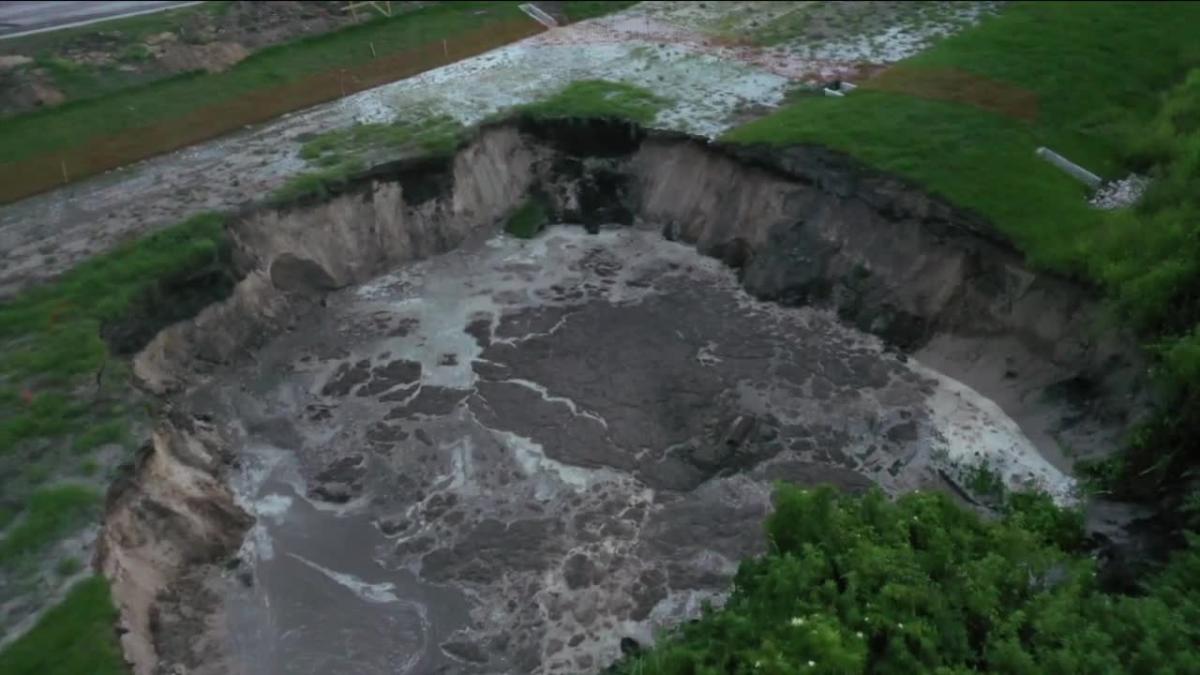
x: 52, y: 68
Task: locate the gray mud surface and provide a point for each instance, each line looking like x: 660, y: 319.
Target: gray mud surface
x: 508, y: 458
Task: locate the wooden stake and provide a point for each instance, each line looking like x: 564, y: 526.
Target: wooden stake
x: 66, y: 178
x: 445, y: 49
x: 373, y: 54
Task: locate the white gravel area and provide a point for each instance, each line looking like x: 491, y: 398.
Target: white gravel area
x: 1120, y: 193
x: 670, y: 48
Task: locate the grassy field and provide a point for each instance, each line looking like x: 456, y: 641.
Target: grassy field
x: 1098, y: 71
x: 62, y: 391
x: 50, y: 513
x: 73, y: 124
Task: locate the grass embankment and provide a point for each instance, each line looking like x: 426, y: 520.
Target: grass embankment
x: 54, y: 360
x: 1105, y: 79
x: 339, y: 154
x: 63, y: 394
x: 74, y: 638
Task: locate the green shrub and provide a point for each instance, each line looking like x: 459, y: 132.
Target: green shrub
x: 528, y: 219
x: 920, y: 585
x: 315, y: 185
x: 67, y: 567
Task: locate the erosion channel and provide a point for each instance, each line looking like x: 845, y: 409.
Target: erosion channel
x: 410, y: 443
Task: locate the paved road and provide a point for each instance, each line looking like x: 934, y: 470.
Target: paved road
x: 25, y: 18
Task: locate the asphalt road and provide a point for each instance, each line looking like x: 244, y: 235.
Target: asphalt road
x: 25, y: 18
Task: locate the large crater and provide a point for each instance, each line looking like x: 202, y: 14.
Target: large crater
x: 409, y: 444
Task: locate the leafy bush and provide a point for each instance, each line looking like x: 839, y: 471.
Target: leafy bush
x: 528, y: 219
x: 920, y: 585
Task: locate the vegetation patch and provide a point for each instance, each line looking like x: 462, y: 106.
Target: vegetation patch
x: 435, y: 134
x: 529, y: 219
x: 78, y: 636
x: 599, y: 98
x: 50, y: 513
x: 315, y: 185
x: 920, y: 585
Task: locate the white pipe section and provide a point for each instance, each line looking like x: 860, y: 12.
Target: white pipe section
x: 1078, y: 172
x: 538, y: 15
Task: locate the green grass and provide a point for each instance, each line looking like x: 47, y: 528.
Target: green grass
x: 74, y: 123
x: 135, y: 53
x: 112, y: 431
x: 528, y: 219
x: 436, y: 134
x: 49, y: 514
x: 578, y: 10
x: 68, y: 567
x: 315, y: 185
x: 599, y: 98
x: 53, y: 332
x: 76, y: 637
x: 61, y: 391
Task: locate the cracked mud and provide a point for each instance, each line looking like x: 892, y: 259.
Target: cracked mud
x: 510, y: 457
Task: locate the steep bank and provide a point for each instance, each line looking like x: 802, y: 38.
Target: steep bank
x: 802, y: 227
